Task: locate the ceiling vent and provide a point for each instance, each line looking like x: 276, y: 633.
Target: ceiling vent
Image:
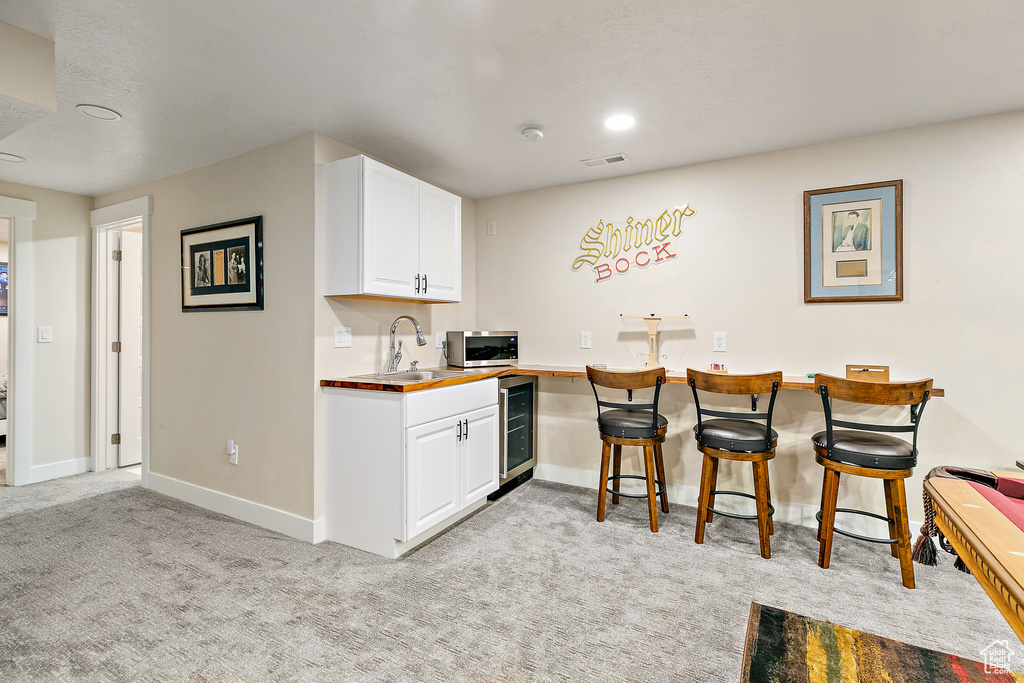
x: 604, y: 161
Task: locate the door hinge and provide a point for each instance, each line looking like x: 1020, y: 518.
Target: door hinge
x: 115, y: 347
x: 115, y: 439
x: 116, y: 254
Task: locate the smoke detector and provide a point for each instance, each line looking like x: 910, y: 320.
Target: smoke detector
x: 532, y: 133
x: 604, y: 161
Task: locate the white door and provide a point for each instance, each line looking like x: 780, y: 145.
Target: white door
x: 130, y: 357
x: 479, y: 458
x: 441, y: 243
x: 390, y: 218
x: 431, y: 474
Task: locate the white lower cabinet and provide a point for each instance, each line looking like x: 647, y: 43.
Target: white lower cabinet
x: 450, y: 464
x: 400, y: 468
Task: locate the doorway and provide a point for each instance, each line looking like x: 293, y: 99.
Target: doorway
x: 121, y: 336
x: 5, y: 236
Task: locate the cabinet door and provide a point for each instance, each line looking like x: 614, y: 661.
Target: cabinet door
x: 479, y: 461
x: 441, y: 243
x: 390, y: 234
x: 432, y: 483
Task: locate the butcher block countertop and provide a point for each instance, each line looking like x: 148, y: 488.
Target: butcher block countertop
x: 796, y: 382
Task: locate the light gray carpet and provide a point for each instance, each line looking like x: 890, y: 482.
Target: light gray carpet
x: 128, y: 585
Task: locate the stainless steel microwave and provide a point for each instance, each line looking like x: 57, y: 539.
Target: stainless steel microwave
x: 478, y: 349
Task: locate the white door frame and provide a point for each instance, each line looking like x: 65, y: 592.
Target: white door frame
x: 104, y: 221
x: 19, y: 355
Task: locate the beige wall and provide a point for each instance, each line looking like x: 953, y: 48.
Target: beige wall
x: 739, y: 270
x: 62, y: 285
x: 254, y: 376
x: 371, y: 320
x: 242, y: 375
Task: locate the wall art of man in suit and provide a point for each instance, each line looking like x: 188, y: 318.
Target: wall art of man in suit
x: 851, y: 234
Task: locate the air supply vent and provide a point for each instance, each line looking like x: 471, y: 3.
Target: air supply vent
x: 604, y: 161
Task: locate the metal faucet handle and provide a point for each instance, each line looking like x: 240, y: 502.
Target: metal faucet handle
x: 412, y: 365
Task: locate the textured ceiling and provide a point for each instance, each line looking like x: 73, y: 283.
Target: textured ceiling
x: 442, y: 87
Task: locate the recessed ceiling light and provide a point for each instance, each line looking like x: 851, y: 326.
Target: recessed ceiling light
x: 7, y: 156
x: 98, y: 112
x: 619, y: 122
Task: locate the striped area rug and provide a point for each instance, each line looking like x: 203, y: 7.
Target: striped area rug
x: 783, y: 647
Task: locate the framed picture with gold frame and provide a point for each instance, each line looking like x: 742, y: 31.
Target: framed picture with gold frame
x: 222, y: 266
x: 853, y: 243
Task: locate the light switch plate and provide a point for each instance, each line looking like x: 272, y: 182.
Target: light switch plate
x: 342, y: 337
x: 45, y: 335
x: 439, y: 340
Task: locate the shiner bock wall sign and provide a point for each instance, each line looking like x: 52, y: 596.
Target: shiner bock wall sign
x: 612, y: 250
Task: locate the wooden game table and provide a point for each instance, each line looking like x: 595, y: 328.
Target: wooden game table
x: 989, y: 542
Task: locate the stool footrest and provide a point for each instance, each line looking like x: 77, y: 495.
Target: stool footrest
x: 659, y: 487
x: 734, y: 515
x: 850, y: 534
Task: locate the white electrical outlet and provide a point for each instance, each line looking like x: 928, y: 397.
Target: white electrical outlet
x: 584, y: 340
x: 439, y: 340
x: 492, y: 228
x: 342, y: 337
x: 719, y: 341
x: 232, y: 452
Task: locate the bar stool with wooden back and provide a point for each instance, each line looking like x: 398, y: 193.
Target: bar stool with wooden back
x: 631, y: 424
x: 736, y: 436
x: 859, y: 449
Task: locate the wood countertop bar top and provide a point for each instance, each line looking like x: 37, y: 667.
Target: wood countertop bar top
x: 794, y: 382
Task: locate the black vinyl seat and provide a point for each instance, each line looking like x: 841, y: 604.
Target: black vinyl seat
x: 737, y: 437
x: 866, y: 449
x: 631, y: 424
x: 742, y: 436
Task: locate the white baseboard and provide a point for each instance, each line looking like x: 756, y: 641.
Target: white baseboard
x: 790, y: 513
x: 64, y: 468
x: 309, y: 530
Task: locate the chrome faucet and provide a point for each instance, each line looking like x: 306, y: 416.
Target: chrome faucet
x: 395, y: 355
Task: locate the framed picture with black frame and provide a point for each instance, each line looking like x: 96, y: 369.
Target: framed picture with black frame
x: 853, y: 243
x: 222, y: 266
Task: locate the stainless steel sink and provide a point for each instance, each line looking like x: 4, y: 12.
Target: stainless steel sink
x: 416, y: 376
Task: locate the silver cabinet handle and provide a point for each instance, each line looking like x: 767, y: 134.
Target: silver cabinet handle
x: 503, y: 417
x: 417, y: 283
x: 424, y: 283
x: 458, y: 437
x: 466, y: 431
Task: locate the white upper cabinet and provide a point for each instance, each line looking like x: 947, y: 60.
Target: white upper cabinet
x: 389, y: 234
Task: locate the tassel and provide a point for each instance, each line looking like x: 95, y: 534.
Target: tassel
x: 925, y: 552
x: 959, y: 564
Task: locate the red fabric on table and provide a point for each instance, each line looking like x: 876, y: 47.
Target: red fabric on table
x: 1014, y: 488
x: 1011, y: 508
